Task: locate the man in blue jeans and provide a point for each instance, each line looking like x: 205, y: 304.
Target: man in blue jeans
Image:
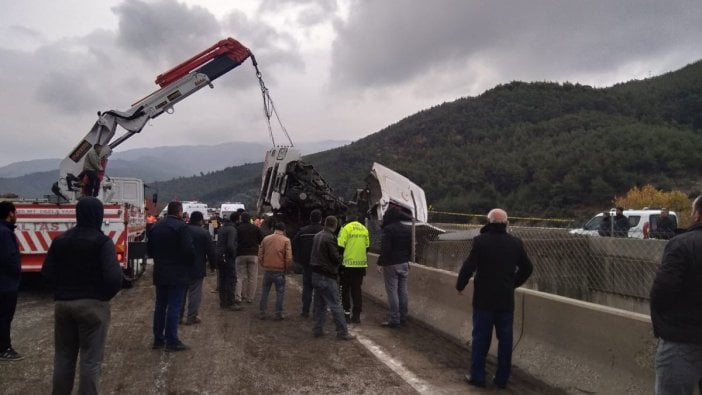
x: 302, y: 249
x: 324, y: 262
x: 275, y: 256
x: 170, y: 244
x: 395, y: 254
x: 500, y: 264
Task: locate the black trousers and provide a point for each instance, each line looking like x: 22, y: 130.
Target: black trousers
x: 93, y: 187
x: 226, y: 283
x: 350, y: 285
x: 8, y: 303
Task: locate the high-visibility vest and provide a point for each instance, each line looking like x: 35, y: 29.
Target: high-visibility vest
x: 355, y: 241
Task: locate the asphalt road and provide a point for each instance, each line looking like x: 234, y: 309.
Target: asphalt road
x: 236, y: 353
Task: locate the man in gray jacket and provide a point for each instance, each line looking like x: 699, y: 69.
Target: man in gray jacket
x: 324, y: 263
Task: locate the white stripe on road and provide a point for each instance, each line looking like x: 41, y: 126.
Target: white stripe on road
x: 396, y: 366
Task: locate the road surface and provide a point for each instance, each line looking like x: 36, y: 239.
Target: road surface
x: 237, y: 353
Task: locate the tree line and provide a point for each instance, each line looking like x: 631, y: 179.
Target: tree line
x: 537, y: 148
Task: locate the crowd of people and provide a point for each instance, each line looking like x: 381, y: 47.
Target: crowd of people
x: 81, y: 264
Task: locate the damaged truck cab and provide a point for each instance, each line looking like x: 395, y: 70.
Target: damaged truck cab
x: 291, y: 189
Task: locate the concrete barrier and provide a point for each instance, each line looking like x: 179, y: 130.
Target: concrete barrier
x: 578, y: 346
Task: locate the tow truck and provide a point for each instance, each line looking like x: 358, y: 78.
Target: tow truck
x: 40, y: 221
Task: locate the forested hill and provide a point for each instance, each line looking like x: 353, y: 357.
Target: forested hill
x: 535, y: 148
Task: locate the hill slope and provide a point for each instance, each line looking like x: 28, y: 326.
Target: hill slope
x: 534, y: 148
x: 33, y: 179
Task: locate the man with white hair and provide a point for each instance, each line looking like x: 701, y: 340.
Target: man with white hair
x: 676, y: 311
x: 500, y: 264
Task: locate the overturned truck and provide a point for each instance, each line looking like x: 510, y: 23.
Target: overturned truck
x: 291, y: 189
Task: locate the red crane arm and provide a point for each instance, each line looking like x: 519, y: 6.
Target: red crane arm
x: 228, y: 47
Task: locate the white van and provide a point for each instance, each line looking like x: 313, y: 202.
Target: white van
x: 189, y: 207
x: 641, y: 223
x: 226, y: 209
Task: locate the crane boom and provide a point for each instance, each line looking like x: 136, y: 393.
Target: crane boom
x: 176, y: 84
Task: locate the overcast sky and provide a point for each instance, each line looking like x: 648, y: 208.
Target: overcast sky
x: 335, y: 69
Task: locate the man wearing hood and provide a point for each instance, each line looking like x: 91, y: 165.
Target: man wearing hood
x: 82, y: 265
x: 170, y: 244
x: 500, y: 264
x: 395, y: 254
x: 10, y: 272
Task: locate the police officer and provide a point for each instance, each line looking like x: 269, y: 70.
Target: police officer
x: 354, y: 241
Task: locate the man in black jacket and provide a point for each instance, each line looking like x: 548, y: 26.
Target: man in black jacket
x: 170, y: 244
x: 325, y: 261
x: 10, y: 272
x: 395, y: 254
x: 82, y: 265
x: 302, y: 249
x: 204, y: 252
x: 621, y: 224
x: 665, y: 226
x: 226, y: 255
x: 501, y: 264
x: 676, y: 311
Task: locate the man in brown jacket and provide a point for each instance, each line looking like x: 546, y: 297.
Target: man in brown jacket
x: 275, y: 256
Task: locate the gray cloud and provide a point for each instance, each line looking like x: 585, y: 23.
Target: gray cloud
x: 272, y: 48
x: 310, y: 12
x: 389, y: 43
x: 165, y: 31
x: 389, y: 60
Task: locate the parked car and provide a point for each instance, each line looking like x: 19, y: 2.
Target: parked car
x: 642, y: 223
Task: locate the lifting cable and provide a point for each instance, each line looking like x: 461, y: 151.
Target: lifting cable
x: 269, y: 107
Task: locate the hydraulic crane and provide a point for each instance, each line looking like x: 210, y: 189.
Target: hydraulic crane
x: 176, y: 84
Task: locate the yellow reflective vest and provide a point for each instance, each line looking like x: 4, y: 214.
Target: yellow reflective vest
x: 354, y: 239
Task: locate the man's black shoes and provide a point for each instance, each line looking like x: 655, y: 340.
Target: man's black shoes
x: 389, y: 324
x: 158, y: 345
x: 176, y: 347
x: 10, y: 355
x: 480, y: 384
